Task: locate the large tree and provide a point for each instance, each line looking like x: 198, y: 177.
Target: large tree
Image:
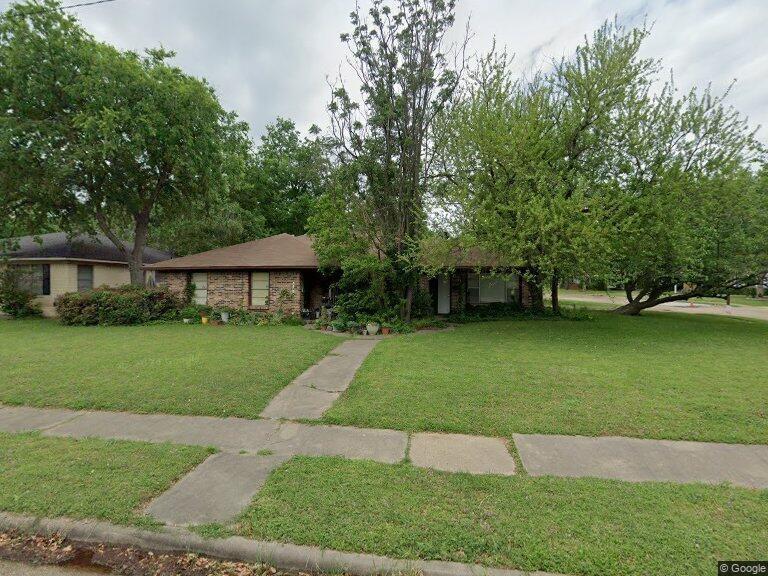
x: 691, y: 213
x: 288, y: 174
x: 100, y: 139
x: 523, y: 161
x: 374, y: 216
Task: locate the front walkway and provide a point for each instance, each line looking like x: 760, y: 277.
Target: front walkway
x: 314, y: 392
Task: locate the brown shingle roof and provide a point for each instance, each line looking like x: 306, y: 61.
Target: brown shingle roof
x: 281, y: 251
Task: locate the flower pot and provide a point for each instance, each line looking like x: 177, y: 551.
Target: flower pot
x: 386, y: 330
x: 372, y: 328
x: 225, y: 317
x: 186, y: 320
x: 204, y: 319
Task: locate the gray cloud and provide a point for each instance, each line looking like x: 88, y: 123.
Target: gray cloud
x: 270, y: 58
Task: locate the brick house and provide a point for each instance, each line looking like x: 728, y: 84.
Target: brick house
x: 281, y: 273
x: 270, y: 274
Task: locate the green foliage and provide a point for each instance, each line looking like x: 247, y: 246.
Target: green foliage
x: 194, y: 312
x: 117, y: 306
x: 288, y: 174
x: 15, y: 300
x: 271, y: 189
x: 375, y: 206
x: 590, y: 170
x: 429, y: 324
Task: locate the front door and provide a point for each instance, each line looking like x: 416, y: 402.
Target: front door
x: 443, y: 294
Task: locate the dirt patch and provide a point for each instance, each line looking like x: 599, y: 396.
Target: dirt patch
x: 123, y: 561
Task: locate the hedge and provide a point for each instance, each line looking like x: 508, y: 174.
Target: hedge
x: 118, y: 306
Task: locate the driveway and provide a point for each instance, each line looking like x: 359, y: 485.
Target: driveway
x: 753, y: 312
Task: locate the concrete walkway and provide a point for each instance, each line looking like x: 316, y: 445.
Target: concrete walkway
x: 216, y: 491
x: 638, y: 460
x: 629, y: 459
x: 314, y: 392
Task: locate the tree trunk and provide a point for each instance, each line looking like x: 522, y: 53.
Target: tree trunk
x: 654, y: 297
x: 555, y: 294
x: 136, y: 259
x: 408, y: 303
x: 537, y: 296
x: 632, y: 308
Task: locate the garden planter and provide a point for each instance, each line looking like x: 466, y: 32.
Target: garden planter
x: 204, y: 319
x: 372, y: 328
x: 225, y: 317
x: 187, y: 320
x: 386, y: 330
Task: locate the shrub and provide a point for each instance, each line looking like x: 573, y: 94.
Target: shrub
x: 14, y: 300
x: 422, y: 304
x: 241, y: 317
x: 429, y: 324
x: 118, y: 306
x: 515, y: 311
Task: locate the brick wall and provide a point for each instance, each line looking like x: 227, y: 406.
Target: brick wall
x: 174, y: 281
x: 285, y: 291
x: 228, y: 289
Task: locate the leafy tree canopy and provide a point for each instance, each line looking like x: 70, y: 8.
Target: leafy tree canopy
x: 98, y: 139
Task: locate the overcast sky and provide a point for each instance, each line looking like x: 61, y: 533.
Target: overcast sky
x: 269, y: 58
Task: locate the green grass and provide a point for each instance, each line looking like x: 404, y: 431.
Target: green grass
x: 170, y: 368
x: 571, y: 526
x: 655, y: 376
x: 88, y: 478
x: 736, y: 300
x: 620, y: 298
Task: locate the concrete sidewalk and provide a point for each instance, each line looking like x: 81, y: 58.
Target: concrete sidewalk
x: 310, y: 395
x: 639, y: 460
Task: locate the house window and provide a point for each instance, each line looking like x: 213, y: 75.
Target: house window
x: 200, y: 280
x: 154, y: 278
x: 259, y: 288
x: 488, y: 289
x: 84, y: 278
x: 35, y: 279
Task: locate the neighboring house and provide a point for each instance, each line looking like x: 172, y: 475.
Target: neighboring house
x: 281, y: 273
x: 57, y: 264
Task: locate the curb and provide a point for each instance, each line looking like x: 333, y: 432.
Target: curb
x: 289, y: 557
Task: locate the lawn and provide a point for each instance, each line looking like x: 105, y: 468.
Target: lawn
x: 655, y: 376
x: 170, y: 368
x: 88, y: 478
x: 736, y: 300
x: 590, y: 527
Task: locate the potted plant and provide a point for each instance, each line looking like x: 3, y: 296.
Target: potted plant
x: 225, y: 317
x: 204, y: 318
x: 385, y: 328
x: 372, y: 327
